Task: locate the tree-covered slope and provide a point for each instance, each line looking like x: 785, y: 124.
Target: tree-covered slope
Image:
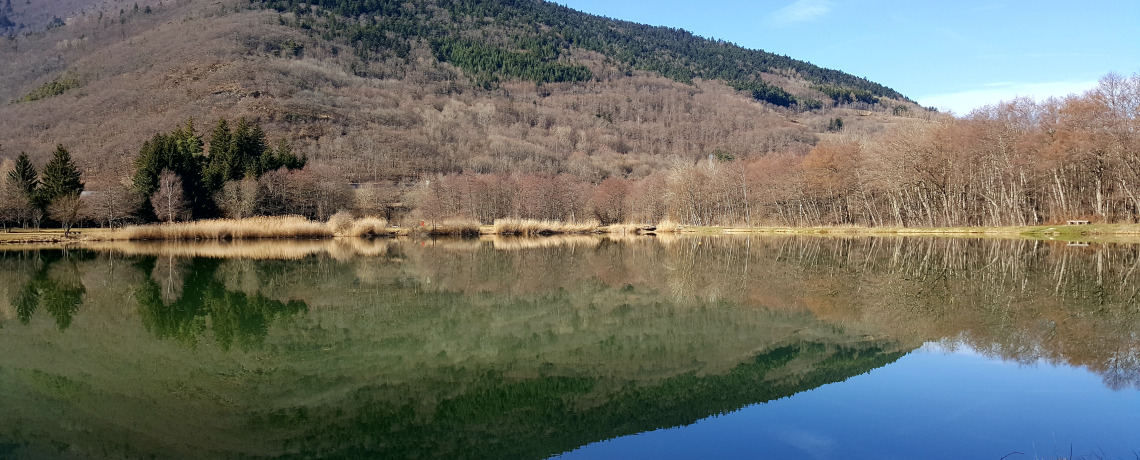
x: 531, y: 40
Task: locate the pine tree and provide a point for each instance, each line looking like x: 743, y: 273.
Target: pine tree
x: 248, y: 145
x: 61, y: 177
x: 24, y: 177
x: 220, y: 167
x: 180, y: 152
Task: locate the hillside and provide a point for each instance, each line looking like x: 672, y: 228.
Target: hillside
x: 388, y: 91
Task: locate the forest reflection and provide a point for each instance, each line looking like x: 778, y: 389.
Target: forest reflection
x: 1021, y: 300
x: 466, y: 347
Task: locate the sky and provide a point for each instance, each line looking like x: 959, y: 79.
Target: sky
x: 956, y: 55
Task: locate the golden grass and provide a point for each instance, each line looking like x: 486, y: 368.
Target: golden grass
x: 623, y: 229
x: 455, y: 227
x: 667, y: 226
x: 229, y: 229
x: 533, y: 227
x: 367, y: 227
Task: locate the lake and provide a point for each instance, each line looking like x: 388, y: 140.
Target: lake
x: 572, y: 347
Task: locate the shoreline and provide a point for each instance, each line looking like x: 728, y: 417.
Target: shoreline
x: 1092, y: 232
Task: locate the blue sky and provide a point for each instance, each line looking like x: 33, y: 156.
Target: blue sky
x: 948, y: 54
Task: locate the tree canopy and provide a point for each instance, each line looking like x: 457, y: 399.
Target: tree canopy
x: 61, y: 177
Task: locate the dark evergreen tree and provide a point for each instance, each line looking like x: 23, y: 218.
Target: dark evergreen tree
x: 61, y: 177
x: 24, y: 177
x: 233, y: 155
x: 282, y: 157
x: 218, y: 169
x: 181, y: 152
x: 249, y: 147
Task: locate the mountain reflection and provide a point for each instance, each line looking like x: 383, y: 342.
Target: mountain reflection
x: 510, y: 348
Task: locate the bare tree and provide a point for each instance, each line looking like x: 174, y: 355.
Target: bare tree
x: 114, y: 207
x: 238, y: 198
x: 15, y: 207
x: 66, y: 210
x: 168, y: 201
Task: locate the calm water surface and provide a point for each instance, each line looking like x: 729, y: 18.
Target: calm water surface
x: 582, y: 347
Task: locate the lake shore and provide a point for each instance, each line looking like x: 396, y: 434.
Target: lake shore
x: 1097, y: 232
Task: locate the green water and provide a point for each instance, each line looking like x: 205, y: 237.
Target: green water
x: 501, y: 348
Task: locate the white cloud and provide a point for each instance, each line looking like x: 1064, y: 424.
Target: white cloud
x: 965, y: 101
x: 801, y: 11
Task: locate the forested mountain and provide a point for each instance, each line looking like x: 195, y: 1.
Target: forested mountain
x: 529, y: 39
x: 483, y: 110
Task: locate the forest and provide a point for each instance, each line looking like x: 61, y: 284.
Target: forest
x: 1016, y: 163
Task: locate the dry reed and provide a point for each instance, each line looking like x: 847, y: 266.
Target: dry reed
x: 367, y: 227
x: 456, y: 227
x: 667, y: 226
x: 228, y: 229
x: 532, y: 227
x: 623, y: 229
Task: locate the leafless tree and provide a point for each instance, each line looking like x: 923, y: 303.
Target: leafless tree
x: 169, y: 201
x: 66, y: 210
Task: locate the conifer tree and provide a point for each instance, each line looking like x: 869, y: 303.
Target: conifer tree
x: 61, y: 177
x: 24, y: 176
x: 249, y: 145
x: 180, y: 152
x: 220, y: 161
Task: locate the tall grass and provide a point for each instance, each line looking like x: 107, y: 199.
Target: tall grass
x: 368, y: 227
x: 456, y: 227
x: 667, y: 226
x: 532, y: 227
x: 228, y: 229
x: 623, y: 229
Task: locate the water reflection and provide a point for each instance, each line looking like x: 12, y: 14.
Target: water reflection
x: 498, y: 347
x: 192, y: 296
x: 53, y: 283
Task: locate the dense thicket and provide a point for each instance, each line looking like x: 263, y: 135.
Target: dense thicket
x: 531, y: 39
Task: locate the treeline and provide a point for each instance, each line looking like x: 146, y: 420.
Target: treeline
x: 27, y: 199
x: 1015, y: 163
x: 530, y: 40
x: 175, y: 179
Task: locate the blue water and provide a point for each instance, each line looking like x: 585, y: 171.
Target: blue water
x: 930, y: 404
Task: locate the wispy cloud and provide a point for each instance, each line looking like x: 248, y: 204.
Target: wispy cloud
x: 964, y: 101
x: 801, y: 11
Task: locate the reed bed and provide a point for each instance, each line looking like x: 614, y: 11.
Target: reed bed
x: 368, y: 227
x: 623, y: 229
x: 667, y: 226
x: 457, y: 227
x: 229, y: 229
x: 533, y: 227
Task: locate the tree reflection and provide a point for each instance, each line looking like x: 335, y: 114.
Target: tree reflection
x: 205, y: 304
x: 53, y: 285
